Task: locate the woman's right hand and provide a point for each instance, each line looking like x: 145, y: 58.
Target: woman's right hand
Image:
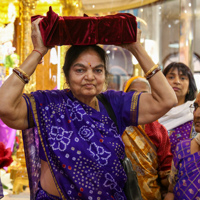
x: 37, y: 37
x: 131, y: 45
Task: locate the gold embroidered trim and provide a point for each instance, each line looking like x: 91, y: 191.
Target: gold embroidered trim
x: 133, y: 109
x: 30, y: 116
x: 33, y: 103
x: 134, y: 101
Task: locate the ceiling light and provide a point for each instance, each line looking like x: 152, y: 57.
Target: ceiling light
x: 174, y: 45
x: 108, y: 51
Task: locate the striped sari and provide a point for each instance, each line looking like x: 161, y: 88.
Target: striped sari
x: 150, y: 156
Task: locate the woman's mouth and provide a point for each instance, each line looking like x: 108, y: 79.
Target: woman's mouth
x: 197, y: 124
x: 176, y: 89
x: 89, y: 85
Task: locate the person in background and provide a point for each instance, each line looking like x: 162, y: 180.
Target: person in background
x: 179, y: 120
x: 149, y: 149
x: 72, y: 147
x: 185, y: 172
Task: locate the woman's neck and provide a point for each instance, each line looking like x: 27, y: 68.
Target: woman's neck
x: 92, y: 102
x: 180, y: 101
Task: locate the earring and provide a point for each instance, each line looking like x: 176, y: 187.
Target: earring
x: 105, y: 86
x: 66, y: 85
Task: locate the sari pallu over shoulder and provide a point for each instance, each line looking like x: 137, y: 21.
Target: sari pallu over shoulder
x: 82, y: 146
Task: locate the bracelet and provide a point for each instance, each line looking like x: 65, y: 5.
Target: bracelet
x: 154, y: 67
x: 20, y: 78
x: 152, y: 72
x: 38, y: 52
x: 21, y: 75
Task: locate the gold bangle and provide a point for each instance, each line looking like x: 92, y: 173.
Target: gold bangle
x: 21, y: 74
x: 20, y: 78
x: 153, y: 73
x: 152, y: 69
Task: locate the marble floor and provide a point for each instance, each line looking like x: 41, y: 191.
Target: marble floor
x: 22, y: 196
x: 8, y: 194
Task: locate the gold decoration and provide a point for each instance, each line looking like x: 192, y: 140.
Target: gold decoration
x: 18, y: 172
x: 117, y: 6
x: 27, y: 8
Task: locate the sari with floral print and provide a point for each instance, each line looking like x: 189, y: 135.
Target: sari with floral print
x: 82, y: 146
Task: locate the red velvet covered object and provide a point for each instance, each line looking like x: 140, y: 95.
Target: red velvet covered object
x: 111, y: 29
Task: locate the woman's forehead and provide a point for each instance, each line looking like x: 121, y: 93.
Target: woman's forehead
x: 89, y: 54
x: 176, y: 70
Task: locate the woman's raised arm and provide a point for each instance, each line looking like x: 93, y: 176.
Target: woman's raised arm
x: 13, y: 110
x: 152, y: 106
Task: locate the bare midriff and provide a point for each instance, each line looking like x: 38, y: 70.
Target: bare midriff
x: 47, y: 181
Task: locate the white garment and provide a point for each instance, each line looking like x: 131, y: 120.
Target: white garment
x: 177, y: 115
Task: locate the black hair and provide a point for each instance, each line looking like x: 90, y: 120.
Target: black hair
x: 74, y: 52
x: 181, y: 67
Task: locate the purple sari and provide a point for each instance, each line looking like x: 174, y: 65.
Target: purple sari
x: 182, y: 132
x: 185, y: 172
x: 82, y: 146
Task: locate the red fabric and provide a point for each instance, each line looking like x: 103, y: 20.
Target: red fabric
x: 111, y: 29
x: 5, y: 156
x: 159, y: 136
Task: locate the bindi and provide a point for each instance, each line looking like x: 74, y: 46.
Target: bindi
x: 89, y: 64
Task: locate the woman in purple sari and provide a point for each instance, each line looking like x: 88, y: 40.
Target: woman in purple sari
x: 73, y: 149
x: 179, y: 120
x: 185, y: 173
